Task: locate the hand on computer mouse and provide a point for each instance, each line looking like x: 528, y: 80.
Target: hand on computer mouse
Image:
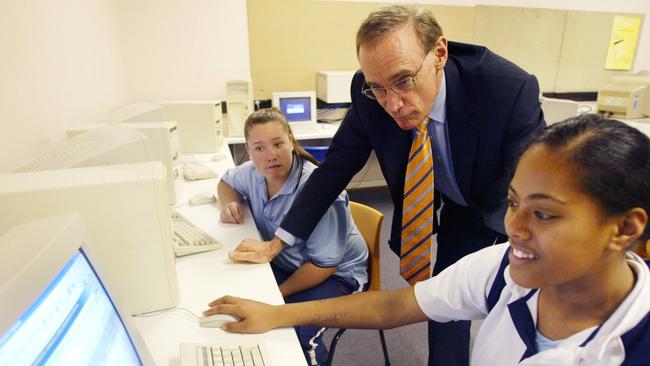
x: 253, y: 316
x: 217, y: 320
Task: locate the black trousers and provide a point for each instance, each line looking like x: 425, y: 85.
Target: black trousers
x: 461, y: 231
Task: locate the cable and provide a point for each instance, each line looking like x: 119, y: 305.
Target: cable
x: 185, y: 312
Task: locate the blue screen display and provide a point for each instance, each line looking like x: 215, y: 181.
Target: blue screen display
x: 73, y: 322
x: 296, y: 109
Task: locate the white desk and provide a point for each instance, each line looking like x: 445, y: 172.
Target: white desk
x: 207, y: 276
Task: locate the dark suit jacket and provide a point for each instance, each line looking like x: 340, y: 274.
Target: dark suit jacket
x: 492, y: 107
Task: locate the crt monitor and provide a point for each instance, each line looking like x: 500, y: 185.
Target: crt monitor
x: 135, y: 112
x: 162, y: 137
x: 126, y: 210
x: 55, y: 308
x: 298, y: 107
x: 106, y: 145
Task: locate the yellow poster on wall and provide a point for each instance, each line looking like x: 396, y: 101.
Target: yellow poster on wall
x: 623, y: 42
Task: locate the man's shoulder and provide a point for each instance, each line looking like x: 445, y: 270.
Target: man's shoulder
x: 480, y: 61
x: 459, y: 49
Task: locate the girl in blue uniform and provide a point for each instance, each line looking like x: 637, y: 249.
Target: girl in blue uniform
x: 565, y: 290
x: 332, y: 262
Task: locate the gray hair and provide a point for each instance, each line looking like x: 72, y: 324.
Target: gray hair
x: 382, y: 21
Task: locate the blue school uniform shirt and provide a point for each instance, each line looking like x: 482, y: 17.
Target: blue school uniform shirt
x: 335, y: 242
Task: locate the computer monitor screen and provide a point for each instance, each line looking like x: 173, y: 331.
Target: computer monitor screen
x: 54, y: 305
x: 126, y: 211
x: 73, y: 322
x: 296, y: 109
x: 296, y: 106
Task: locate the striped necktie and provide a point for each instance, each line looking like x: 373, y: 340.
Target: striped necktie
x: 417, y: 214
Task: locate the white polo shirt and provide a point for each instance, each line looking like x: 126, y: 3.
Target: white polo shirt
x: 479, y: 287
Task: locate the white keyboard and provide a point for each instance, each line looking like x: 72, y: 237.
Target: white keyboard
x: 193, y: 354
x: 307, y: 128
x: 193, y: 170
x: 189, y: 238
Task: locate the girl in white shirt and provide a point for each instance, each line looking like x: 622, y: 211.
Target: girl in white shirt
x: 565, y: 289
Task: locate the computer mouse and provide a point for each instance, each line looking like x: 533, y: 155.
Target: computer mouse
x: 218, y: 157
x: 217, y: 320
x: 202, y: 199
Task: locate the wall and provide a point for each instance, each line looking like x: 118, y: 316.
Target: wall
x: 642, y: 61
x: 175, y: 49
x: 307, y: 36
x: 66, y: 62
x: 60, y: 67
x: 565, y: 49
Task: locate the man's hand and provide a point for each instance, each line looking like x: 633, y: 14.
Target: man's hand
x: 232, y: 213
x: 255, y: 317
x: 251, y: 250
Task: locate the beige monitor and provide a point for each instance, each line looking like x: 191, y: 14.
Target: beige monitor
x: 126, y: 211
x: 56, y: 307
x: 200, y: 124
x: 165, y: 146
x: 299, y: 107
x: 556, y: 110
x: 135, y: 112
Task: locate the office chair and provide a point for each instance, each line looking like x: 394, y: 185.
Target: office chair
x: 368, y: 220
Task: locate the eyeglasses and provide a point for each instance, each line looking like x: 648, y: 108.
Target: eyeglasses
x: 399, y: 87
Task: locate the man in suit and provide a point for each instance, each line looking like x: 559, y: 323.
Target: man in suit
x: 478, y: 108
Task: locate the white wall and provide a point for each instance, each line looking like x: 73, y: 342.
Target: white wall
x: 642, y: 61
x: 60, y: 67
x: 175, y: 49
x: 66, y: 62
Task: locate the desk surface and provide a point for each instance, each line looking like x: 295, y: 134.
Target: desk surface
x: 206, y: 276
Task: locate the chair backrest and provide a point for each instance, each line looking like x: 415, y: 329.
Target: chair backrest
x: 318, y: 152
x: 369, y: 220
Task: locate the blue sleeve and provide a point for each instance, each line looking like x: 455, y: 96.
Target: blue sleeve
x: 347, y: 154
x: 240, y: 178
x: 326, y: 246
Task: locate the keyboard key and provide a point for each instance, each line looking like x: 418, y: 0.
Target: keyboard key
x: 203, y: 356
x: 189, y: 238
x: 226, y: 355
x: 193, y: 170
